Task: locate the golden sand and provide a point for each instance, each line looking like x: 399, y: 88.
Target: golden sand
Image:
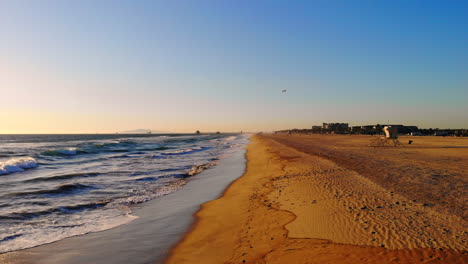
x: 296, y: 204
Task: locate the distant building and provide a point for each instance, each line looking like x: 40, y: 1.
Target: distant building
x: 343, y: 128
x: 335, y: 127
x: 410, y: 129
x: 442, y: 133
x: 402, y: 129
x: 316, y: 129
x: 355, y: 129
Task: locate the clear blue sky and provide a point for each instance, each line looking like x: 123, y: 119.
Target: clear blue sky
x: 105, y: 66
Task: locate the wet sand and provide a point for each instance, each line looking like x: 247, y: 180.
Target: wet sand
x: 333, y: 199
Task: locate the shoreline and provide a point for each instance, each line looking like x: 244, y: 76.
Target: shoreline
x: 196, y: 218
x: 265, y: 217
x: 161, y: 223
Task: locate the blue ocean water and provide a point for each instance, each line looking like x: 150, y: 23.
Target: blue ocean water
x: 57, y: 186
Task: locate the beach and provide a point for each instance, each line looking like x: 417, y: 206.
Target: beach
x: 232, y: 132
x: 334, y: 199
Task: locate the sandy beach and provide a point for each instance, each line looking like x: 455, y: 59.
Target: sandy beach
x: 333, y: 199
x: 231, y: 132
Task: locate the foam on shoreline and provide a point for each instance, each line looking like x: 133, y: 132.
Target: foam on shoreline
x: 147, y: 239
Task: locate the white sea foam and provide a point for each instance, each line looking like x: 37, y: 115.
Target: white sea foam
x: 196, y: 169
x: 148, y: 195
x: 143, y: 181
x: 17, y: 165
x: 63, y: 227
x: 180, y: 151
x: 183, y: 151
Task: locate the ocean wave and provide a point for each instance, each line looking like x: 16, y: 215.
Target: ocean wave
x: 95, y: 148
x: 10, y: 237
x: 121, y: 142
x: 62, y: 227
x: 65, y: 189
x: 185, y: 151
x: 62, y: 152
x: 148, y: 195
x: 119, y: 146
x: 196, y: 169
x: 120, y: 156
x: 81, y: 207
x: 152, y: 149
x: 147, y: 179
x: 65, y: 176
x: 116, y: 150
x: 185, y: 139
x: 17, y: 165
x: 25, y: 215
x: 7, y: 153
x: 127, y: 141
x: 70, y: 209
x: 51, y: 205
x: 173, y: 169
x: 144, y: 176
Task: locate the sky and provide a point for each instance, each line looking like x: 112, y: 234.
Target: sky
x: 107, y: 66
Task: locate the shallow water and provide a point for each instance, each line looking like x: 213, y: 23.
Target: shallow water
x: 147, y: 240
x: 57, y: 186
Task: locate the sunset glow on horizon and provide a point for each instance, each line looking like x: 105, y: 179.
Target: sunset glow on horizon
x: 179, y: 66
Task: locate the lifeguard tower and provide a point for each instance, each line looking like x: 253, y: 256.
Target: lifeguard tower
x: 390, y: 139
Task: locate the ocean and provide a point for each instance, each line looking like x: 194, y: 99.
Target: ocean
x: 57, y: 186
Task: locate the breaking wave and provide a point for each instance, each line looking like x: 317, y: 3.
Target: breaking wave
x: 17, y: 165
x: 62, y: 209
x: 62, y: 152
x: 65, y: 189
x: 149, y: 194
x: 65, y: 177
x: 88, y: 183
x: 196, y: 169
x: 185, y: 151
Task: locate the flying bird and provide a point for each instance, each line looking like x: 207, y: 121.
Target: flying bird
x: 283, y: 91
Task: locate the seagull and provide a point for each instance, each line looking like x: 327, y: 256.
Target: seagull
x: 283, y: 91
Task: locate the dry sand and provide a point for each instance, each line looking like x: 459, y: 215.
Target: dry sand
x: 332, y: 199
x: 432, y: 170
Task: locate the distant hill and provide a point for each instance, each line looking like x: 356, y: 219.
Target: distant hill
x: 142, y: 131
